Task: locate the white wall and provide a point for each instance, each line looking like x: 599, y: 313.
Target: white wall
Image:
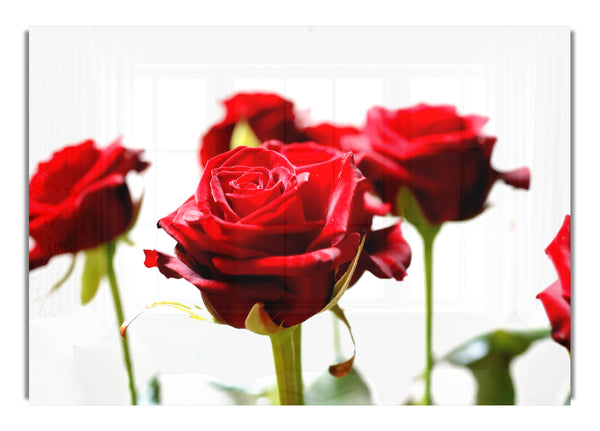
x: 160, y: 88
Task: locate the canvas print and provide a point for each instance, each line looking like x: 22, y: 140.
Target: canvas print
x: 299, y: 216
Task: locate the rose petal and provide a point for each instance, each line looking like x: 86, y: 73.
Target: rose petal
x: 519, y: 178
x: 387, y: 254
x: 559, y: 252
x: 306, y: 155
x: 212, y: 201
x: 302, y: 298
x: 38, y: 257
x: 290, y: 266
x: 53, y: 180
x: 375, y: 206
x: 287, y: 209
x: 346, y: 185
x: 172, y: 267
x: 558, y: 310
x: 101, y: 213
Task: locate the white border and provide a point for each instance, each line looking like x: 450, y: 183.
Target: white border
x: 12, y: 164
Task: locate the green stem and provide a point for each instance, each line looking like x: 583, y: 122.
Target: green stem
x: 428, y: 234
x: 288, y: 367
x: 114, y: 288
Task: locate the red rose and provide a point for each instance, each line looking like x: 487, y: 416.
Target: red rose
x: 557, y: 297
x: 261, y: 230
x: 440, y: 156
x: 270, y: 117
x: 79, y: 199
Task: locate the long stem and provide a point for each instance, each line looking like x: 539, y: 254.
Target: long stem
x: 114, y: 288
x: 428, y: 234
x: 288, y: 367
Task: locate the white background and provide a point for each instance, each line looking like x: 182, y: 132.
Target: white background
x: 160, y: 88
x: 586, y: 88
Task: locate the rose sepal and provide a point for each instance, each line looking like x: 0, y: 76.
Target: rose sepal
x: 344, y: 282
x: 259, y: 321
x: 411, y: 211
x: 94, y: 270
x: 243, y: 136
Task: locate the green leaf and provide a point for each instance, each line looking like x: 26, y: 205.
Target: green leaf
x: 488, y: 357
x: 259, y: 321
x: 95, y: 268
x: 330, y: 390
x: 243, y: 136
x: 324, y: 390
x: 150, y: 394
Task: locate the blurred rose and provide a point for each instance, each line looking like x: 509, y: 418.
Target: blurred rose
x: 557, y: 297
x: 79, y: 199
x: 269, y: 116
x: 441, y: 157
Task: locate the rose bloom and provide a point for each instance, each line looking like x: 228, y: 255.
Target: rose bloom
x: 261, y: 229
x: 441, y: 157
x: 556, y: 298
x: 270, y: 116
x: 79, y: 199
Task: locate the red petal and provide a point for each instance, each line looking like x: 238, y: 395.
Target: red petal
x: 558, y: 310
x: 341, y: 184
x: 55, y: 178
x: 388, y: 253
x: 38, y: 257
x: 98, y: 215
x: 559, y: 252
x: 519, y: 178
x: 291, y: 266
